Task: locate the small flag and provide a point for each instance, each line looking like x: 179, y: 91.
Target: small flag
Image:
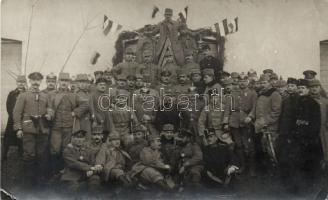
x: 155, y: 11
x: 115, y: 28
x: 183, y: 15
x: 107, y: 25
x: 226, y: 27
x: 94, y: 58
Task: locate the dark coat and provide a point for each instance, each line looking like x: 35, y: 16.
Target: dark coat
x: 10, y: 105
x: 213, y: 63
x: 287, y: 119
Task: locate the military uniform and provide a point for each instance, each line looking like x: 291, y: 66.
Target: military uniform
x: 126, y: 68
x: 149, y: 69
x: 29, y: 116
x: 212, y: 63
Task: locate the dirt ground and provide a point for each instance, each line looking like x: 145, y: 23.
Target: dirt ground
x: 261, y: 187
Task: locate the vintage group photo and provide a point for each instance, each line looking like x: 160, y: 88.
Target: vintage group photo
x: 164, y: 99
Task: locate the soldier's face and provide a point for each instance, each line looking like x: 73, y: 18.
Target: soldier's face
x: 189, y: 58
x: 82, y: 85
x: 183, y: 78
x: 291, y: 88
x: 315, y: 90
x: 303, y: 90
x: 35, y: 83
x: 207, y: 79
x: 20, y: 85
x: 78, y: 141
x: 101, y: 87
x: 169, y: 59
x: 156, y: 144
x: 121, y: 83
x: 131, y: 83
x: 51, y: 84
x: 147, y: 59
x: 98, y: 76
x: 168, y: 135
x: 165, y: 79
x: 265, y: 85
x: 63, y: 84
x: 138, y: 136
x: 97, y: 137
x: 243, y: 84
x: 168, y: 16
x: 139, y: 82
x: 115, y: 143
x: 212, y: 139
x: 128, y: 57
x: 196, y: 78
x: 228, y: 88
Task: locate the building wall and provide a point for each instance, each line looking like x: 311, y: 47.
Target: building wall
x: 11, y: 57
x: 324, y: 64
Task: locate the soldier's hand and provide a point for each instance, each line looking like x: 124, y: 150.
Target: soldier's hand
x: 73, y: 114
x: 19, y: 134
x: 89, y: 173
x: 181, y: 170
x: 248, y: 120
x: 232, y: 169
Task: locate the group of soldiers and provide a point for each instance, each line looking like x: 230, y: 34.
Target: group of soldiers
x: 180, y: 125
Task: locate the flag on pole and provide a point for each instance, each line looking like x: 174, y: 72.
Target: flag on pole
x: 226, y: 27
x: 155, y: 11
x: 107, y: 25
x: 94, y: 58
x: 184, y: 14
x: 115, y: 28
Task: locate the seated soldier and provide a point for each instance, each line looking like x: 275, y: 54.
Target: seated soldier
x: 138, y: 144
x: 113, y: 160
x: 151, y: 167
x: 190, y: 161
x: 219, y: 159
x: 79, y: 168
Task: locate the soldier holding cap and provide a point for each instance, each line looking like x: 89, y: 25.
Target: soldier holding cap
x: 10, y: 136
x: 31, y: 123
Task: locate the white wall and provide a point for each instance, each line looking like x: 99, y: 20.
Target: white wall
x: 280, y: 34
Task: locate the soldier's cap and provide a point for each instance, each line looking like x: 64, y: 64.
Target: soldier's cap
x: 270, y: 71
x: 35, y: 76
x: 243, y: 77
x: 98, y: 73
x: 302, y: 82
x: 251, y: 72
x: 188, y: 53
x: 208, y: 71
x: 113, y: 136
x: 121, y: 77
x: 21, y: 79
x: 79, y: 134
x: 82, y: 78
x: 131, y: 77
x: 227, y: 81
x: 185, y: 133
x: 153, y: 137
x: 64, y: 76
x: 224, y: 137
x: 314, y: 82
x: 274, y: 76
x: 166, y: 73
x: 101, y: 80
x: 225, y: 74
x: 51, y: 76
x: 264, y: 77
x: 234, y: 75
x: 129, y: 50
x: 168, y: 127
x: 139, y: 76
x: 195, y: 71
x: 209, y: 132
x: 309, y: 74
x: 168, y: 11
x: 182, y: 72
x: 291, y: 80
x: 280, y: 84
x: 98, y: 129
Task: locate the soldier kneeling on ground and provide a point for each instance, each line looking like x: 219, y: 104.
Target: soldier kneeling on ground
x: 79, y: 171
x: 151, y: 168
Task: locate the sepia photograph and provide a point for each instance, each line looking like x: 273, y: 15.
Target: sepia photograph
x: 164, y: 99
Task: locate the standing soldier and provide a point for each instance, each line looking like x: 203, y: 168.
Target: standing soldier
x: 212, y: 86
x: 10, y: 136
x: 196, y: 80
x: 170, y: 65
x: 66, y: 107
x: 183, y: 82
x: 30, y: 122
x: 84, y: 94
x: 51, y: 81
x: 165, y: 82
x: 128, y: 66
x: 266, y: 116
x: 310, y: 75
x: 148, y: 68
x: 209, y: 61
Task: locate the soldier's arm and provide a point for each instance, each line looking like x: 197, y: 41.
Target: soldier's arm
x: 18, y: 112
x: 73, y: 162
x: 197, y: 156
x: 101, y: 156
x: 82, y: 106
x: 276, y: 102
x: 147, y: 159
